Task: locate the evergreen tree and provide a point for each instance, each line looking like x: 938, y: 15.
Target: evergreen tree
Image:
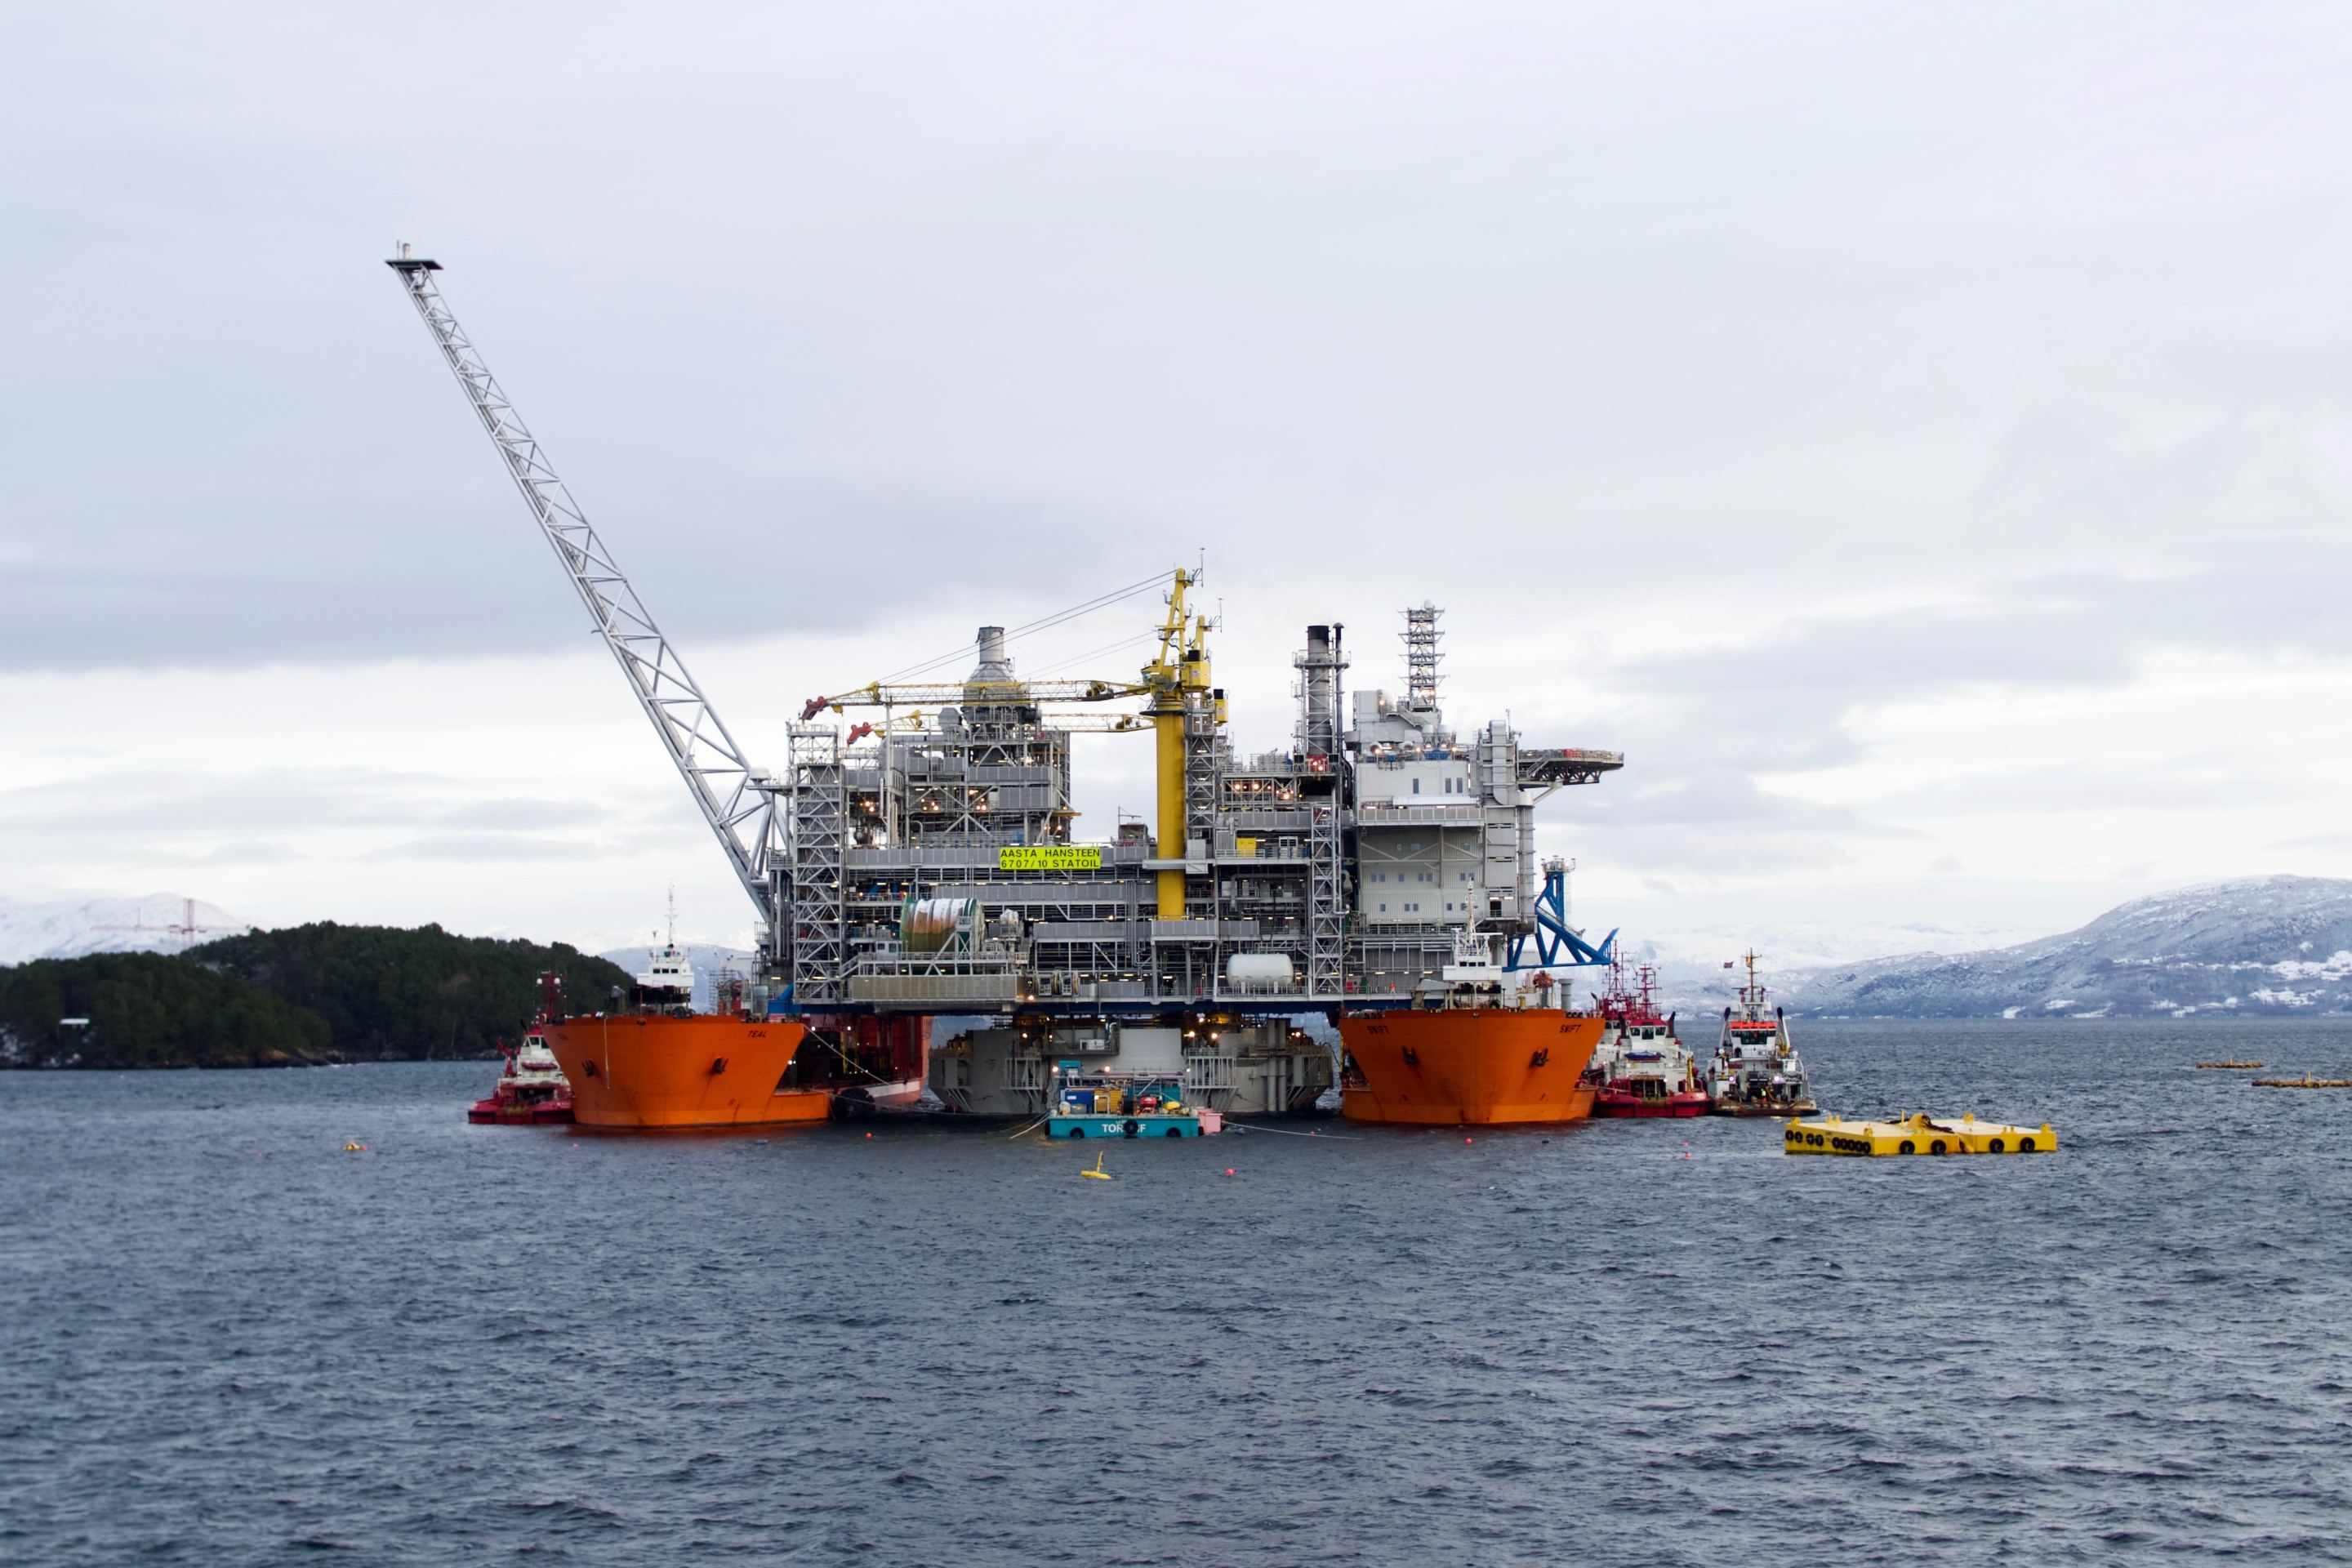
x: 390, y: 993
x: 145, y: 1009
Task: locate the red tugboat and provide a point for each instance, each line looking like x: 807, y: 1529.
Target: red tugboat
x: 1640, y: 1068
x: 531, y: 1090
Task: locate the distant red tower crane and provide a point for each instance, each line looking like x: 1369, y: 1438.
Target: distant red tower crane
x: 187, y: 928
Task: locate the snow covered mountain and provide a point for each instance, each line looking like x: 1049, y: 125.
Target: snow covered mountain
x: 1699, y: 970
x: 2263, y: 945
x: 69, y: 928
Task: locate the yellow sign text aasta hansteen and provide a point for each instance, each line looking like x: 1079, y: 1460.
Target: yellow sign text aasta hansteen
x: 1048, y: 857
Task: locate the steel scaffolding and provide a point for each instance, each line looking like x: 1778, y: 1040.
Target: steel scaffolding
x: 820, y: 798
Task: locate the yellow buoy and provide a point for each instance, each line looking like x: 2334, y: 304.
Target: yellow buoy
x: 1922, y: 1134
x: 1098, y: 1173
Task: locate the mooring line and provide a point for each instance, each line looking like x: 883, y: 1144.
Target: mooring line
x: 1286, y: 1133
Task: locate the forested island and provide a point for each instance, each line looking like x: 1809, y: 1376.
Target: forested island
x: 305, y: 995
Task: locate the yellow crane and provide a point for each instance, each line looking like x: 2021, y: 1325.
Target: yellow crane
x: 1179, y: 671
x: 1174, y: 685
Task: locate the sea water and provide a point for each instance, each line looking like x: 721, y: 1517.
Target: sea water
x: 224, y: 1338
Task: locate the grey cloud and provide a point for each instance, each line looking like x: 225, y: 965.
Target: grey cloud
x: 520, y: 812
x: 2073, y: 629
x: 1147, y: 281
x: 191, y: 802
x: 201, y: 820
x: 275, y: 801
x: 2326, y: 841
x: 238, y: 852
x: 1718, y: 825
x: 311, y: 595
x: 1709, y: 853
x: 245, y: 852
x: 1717, y: 796
x: 1788, y: 695
x: 2173, y: 784
x: 478, y: 848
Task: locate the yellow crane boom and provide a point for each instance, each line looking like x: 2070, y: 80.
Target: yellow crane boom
x: 1176, y: 686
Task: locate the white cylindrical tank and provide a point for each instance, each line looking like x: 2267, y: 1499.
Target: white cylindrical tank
x: 934, y: 925
x: 1258, y: 971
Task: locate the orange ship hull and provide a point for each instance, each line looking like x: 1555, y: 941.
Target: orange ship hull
x: 703, y: 1071
x: 1484, y: 1067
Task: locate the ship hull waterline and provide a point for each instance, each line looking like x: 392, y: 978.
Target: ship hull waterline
x: 1643, y: 1108
x: 1483, y: 1066
x: 490, y: 1113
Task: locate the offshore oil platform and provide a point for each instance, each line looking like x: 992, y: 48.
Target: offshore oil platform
x: 922, y: 864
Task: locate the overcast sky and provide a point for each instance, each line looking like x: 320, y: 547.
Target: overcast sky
x: 1917, y: 436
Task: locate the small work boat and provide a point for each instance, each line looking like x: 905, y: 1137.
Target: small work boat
x: 1640, y: 1067
x: 1756, y: 1071
x: 531, y: 1090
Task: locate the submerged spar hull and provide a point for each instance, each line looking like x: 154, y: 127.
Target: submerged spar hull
x: 650, y: 1071
x: 1469, y: 1067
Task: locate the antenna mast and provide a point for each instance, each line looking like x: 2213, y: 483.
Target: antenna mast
x: 733, y: 801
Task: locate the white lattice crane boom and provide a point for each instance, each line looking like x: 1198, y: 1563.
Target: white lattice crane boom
x: 938, y: 694
x: 729, y: 794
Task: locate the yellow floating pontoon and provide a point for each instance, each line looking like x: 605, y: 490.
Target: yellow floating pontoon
x: 1920, y: 1134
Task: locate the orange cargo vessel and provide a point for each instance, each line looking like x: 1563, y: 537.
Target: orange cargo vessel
x: 1487, y: 1047
x: 665, y: 1065
x: 703, y: 1070
x: 1468, y: 1067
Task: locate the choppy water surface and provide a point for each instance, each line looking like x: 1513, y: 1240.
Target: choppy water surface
x: 224, y: 1340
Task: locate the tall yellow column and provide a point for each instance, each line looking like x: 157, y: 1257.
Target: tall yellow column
x: 1169, y: 744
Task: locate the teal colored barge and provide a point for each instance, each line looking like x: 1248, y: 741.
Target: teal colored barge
x: 1184, y: 1126
x: 1124, y: 1105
